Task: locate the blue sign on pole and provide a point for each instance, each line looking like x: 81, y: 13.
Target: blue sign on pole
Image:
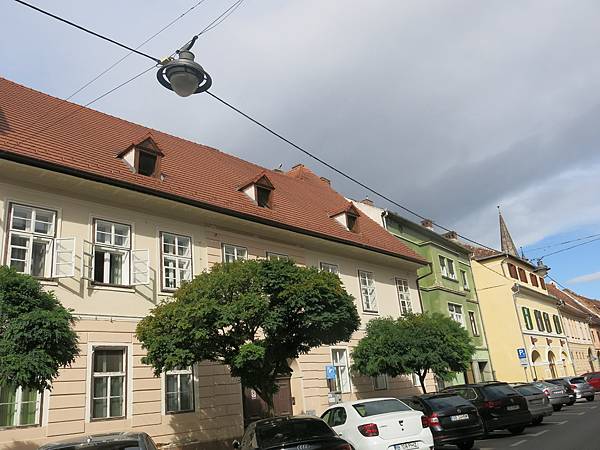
x: 522, y: 354
x: 330, y: 373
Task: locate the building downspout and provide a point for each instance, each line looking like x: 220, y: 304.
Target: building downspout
x: 515, y: 291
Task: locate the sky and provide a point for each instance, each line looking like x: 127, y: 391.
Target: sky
x: 449, y: 107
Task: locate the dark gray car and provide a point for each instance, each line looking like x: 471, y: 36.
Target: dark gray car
x: 537, y: 402
x: 112, y: 441
x: 556, y: 393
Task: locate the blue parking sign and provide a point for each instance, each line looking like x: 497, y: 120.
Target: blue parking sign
x: 522, y: 353
x: 330, y: 373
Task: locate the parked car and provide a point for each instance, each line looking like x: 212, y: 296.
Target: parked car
x: 452, y: 419
x: 556, y: 393
x: 112, y: 441
x: 498, y: 404
x: 291, y: 432
x: 582, y: 388
x: 380, y: 424
x: 537, y: 401
x: 594, y: 379
x: 568, y: 388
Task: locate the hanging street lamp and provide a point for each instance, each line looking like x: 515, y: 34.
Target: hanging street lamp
x: 183, y: 75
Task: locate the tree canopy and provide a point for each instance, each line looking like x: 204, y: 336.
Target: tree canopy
x: 255, y: 316
x: 36, y: 332
x: 416, y: 343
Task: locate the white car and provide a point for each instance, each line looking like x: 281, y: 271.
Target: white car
x: 380, y: 424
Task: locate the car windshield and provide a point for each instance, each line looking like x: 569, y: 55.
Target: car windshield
x: 438, y: 403
x: 376, y: 407
x: 527, y: 390
x: 276, y: 433
x: 577, y: 380
x: 497, y: 391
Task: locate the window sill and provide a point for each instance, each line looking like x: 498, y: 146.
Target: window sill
x: 175, y: 413
x: 19, y: 427
x: 446, y: 277
x: 111, y: 287
x: 48, y: 281
x: 107, y: 419
x: 370, y: 312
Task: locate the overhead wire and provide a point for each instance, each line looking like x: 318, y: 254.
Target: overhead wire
x: 569, y: 248
x: 558, y: 244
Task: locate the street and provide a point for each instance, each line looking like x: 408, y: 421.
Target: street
x: 573, y: 428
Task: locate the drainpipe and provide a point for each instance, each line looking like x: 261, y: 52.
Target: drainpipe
x: 515, y: 290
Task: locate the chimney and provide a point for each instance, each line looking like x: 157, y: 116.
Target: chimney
x: 367, y: 201
x: 452, y: 235
x: 326, y: 180
x: 427, y: 223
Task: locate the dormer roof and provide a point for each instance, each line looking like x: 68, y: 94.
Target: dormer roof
x: 261, y: 180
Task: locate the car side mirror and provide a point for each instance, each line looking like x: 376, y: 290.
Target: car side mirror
x: 236, y: 444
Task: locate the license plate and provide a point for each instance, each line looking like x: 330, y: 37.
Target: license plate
x: 407, y: 446
x: 512, y: 407
x: 459, y: 417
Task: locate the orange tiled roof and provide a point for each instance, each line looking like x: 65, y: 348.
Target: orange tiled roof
x: 87, y: 143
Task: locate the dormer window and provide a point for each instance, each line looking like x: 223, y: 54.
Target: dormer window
x: 260, y: 190
x: 143, y: 157
x: 348, y: 218
x: 351, y: 221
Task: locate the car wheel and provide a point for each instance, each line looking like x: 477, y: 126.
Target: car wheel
x: 590, y: 398
x: 572, y: 402
x: 556, y: 408
x: 537, y: 420
x: 466, y: 445
x: 517, y: 430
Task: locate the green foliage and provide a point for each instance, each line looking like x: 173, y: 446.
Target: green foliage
x: 255, y: 316
x: 36, y: 332
x: 416, y: 343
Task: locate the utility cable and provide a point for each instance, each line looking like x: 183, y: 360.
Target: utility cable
x: 93, y: 33
x: 545, y: 247
x: 569, y: 248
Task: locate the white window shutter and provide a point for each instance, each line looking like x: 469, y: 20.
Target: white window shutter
x: 140, y: 267
x: 87, y: 261
x: 63, y: 263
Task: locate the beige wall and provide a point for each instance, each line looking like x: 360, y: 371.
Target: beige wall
x: 109, y: 314
x: 581, y: 343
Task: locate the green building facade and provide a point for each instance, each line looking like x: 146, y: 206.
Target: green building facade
x: 446, y: 286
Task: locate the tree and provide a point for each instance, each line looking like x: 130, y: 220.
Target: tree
x: 36, y: 333
x: 416, y: 343
x: 255, y: 316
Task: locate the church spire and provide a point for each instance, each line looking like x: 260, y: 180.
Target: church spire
x: 506, y: 242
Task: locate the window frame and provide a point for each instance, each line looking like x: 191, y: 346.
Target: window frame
x: 377, y: 379
x: 269, y: 196
x: 372, y: 307
x: 452, y: 314
x: 324, y: 265
x: 547, y: 324
x: 178, y: 373
x: 473, y: 322
x: 534, y: 280
x: 109, y: 249
x: 522, y: 274
x: 527, y: 317
x: 272, y: 256
x: 406, y: 306
x: 542, y: 283
x: 465, y: 280
x: 18, y: 409
x: 538, y: 320
x: 447, y: 267
x: 125, y: 374
x: 347, y: 381
x: 236, y: 257
x: 177, y: 258
x: 31, y: 236
x: 512, y: 271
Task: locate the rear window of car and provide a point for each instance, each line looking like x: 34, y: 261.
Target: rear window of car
x: 276, y: 433
x: 376, y: 407
x: 438, y: 403
x: 577, y: 380
x: 498, y: 391
x: 528, y: 390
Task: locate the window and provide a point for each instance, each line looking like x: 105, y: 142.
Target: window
x: 108, y: 383
x: 31, y: 239
x: 176, y: 260
x: 112, y: 248
x: 179, y: 391
x: 19, y: 407
x: 547, y: 322
x: 277, y: 256
x: 146, y: 164
x: 527, y: 318
x: 522, y: 275
x: 447, y: 267
x: 380, y: 382
x: 263, y: 196
x: 473, y: 321
x: 456, y: 312
x: 351, y: 222
x: 465, y: 280
x: 367, y: 291
x: 403, y: 296
x: 534, y: 281
x: 339, y: 358
x: 333, y: 268
x: 233, y: 253
x: 542, y: 283
x: 512, y: 270
x: 538, y: 319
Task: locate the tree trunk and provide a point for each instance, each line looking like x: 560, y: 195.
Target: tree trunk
x: 422, y: 381
x: 268, y: 399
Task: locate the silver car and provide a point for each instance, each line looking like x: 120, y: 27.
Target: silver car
x: 581, y: 387
x: 557, y: 394
x: 537, y: 402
